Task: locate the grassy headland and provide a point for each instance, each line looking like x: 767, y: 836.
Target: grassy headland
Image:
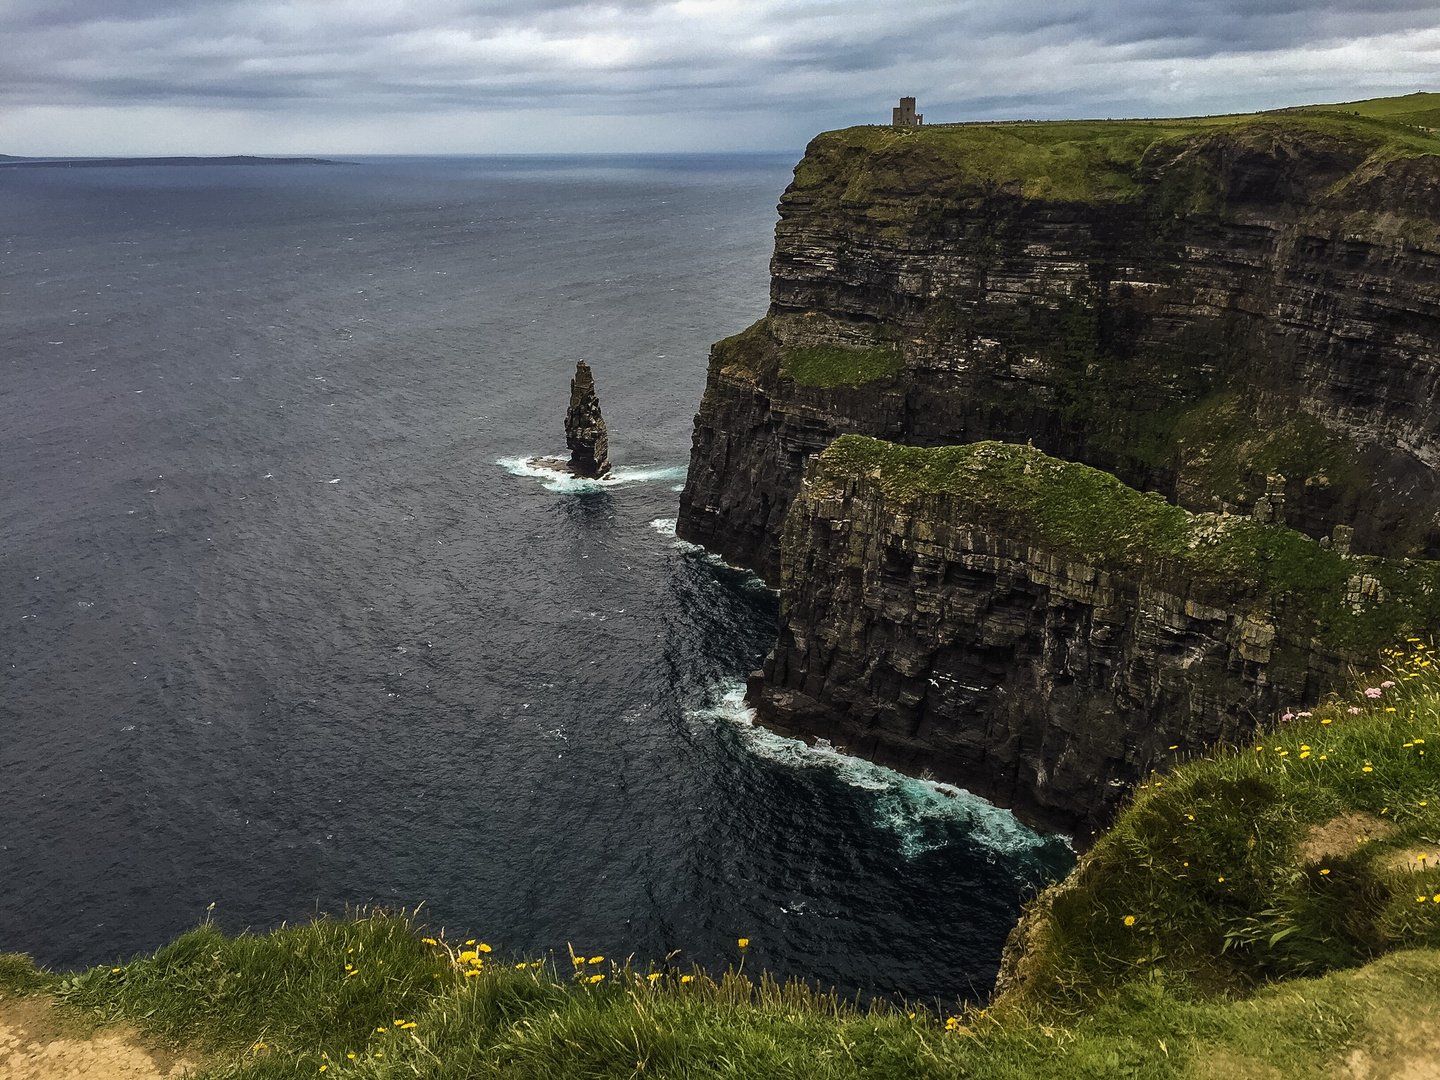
x: 1090, y: 515
x: 1096, y: 161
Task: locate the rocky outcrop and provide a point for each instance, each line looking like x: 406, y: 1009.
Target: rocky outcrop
x: 1191, y: 306
x: 1045, y: 636
x: 585, y: 432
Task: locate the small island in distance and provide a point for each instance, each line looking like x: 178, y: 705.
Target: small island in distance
x: 8, y: 161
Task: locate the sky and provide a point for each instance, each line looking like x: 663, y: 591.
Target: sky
x: 142, y: 77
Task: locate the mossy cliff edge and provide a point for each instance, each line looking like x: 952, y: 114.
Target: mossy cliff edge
x: 1191, y: 305
x: 1043, y: 634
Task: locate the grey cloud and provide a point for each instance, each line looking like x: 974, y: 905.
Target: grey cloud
x: 832, y: 57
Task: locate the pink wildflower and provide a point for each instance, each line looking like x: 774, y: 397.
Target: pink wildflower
x: 1304, y: 714
x: 1373, y: 692
x: 1354, y: 710
x: 1288, y: 716
x: 1388, y: 683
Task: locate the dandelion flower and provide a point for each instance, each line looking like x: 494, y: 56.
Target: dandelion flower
x: 1324, y: 872
x: 1129, y: 920
x: 1367, y: 768
x: 484, y: 948
x: 654, y: 975
x: 1390, y: 709
x: 596, y: 959
x: 744, y: 942
x: 595, y: 978
x: 1220, y: 879
x: 472, y: 971
x: 686, y: 978
x: 407, y: 1025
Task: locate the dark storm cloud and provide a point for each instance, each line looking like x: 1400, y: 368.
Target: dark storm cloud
x: 832, y: 59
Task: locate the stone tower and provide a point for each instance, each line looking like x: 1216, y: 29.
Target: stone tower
x: 904, y: 115
x: 585, y: 432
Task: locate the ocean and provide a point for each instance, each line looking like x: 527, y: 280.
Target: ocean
x: 289, y: 627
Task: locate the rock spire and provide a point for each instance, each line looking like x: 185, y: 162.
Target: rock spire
x: 585, y: 432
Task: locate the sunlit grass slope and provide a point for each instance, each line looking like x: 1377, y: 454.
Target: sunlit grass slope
x: 369, y: 997
x: 1317, y: 848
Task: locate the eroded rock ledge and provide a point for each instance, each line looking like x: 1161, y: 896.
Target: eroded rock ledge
x: 1044, y: 635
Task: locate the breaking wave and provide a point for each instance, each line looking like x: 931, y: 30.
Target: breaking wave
x: 564, y: 483
x: 925, y: 815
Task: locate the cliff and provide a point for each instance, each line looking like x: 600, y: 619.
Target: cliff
x: 1190, y: 305
x: 1042, y: 634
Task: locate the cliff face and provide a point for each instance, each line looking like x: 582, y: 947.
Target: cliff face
x: 1037, y: 632
x: 1190, y: 305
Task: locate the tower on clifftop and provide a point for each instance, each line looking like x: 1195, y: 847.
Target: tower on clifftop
x: 904, y: 115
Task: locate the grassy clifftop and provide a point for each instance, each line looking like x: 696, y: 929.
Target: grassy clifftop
x: 1098, y: 161
x: 1088, y: 514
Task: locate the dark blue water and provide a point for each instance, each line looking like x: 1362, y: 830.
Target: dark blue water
x: 280, y: 633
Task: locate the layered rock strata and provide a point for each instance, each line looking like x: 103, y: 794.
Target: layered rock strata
x: 1193, y: 306
x: 1045, y: 636
x: 585, y: 432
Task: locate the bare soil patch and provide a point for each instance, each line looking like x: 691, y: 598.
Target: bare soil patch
x: 1342, y: 835
x: 37, y: 1042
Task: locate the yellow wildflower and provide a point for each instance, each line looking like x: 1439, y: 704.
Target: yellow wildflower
x: 686, y: 978
x: 1129, y: 920
x: 484, y: 948
x: 654, y: 975
x: 1323, y: 872
x: 595, y: 978
x: 744, y: 942
x: 596, y: 959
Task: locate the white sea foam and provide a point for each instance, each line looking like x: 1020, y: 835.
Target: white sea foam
x: 664, y: 526
x: 559, y: 481
x: 924, y: 814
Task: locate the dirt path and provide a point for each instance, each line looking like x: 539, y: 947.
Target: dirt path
x: 38, y: 1044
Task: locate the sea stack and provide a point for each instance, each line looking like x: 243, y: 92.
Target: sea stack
x: 585, y: 432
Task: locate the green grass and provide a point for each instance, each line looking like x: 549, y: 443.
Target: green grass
x: 260, y: 1008
x: 1089, y: 161
x: 827, y: 366
x: 1214, y: 873
x: 1088, y: 514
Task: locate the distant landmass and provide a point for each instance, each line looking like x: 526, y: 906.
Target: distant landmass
x: 9, y: 162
